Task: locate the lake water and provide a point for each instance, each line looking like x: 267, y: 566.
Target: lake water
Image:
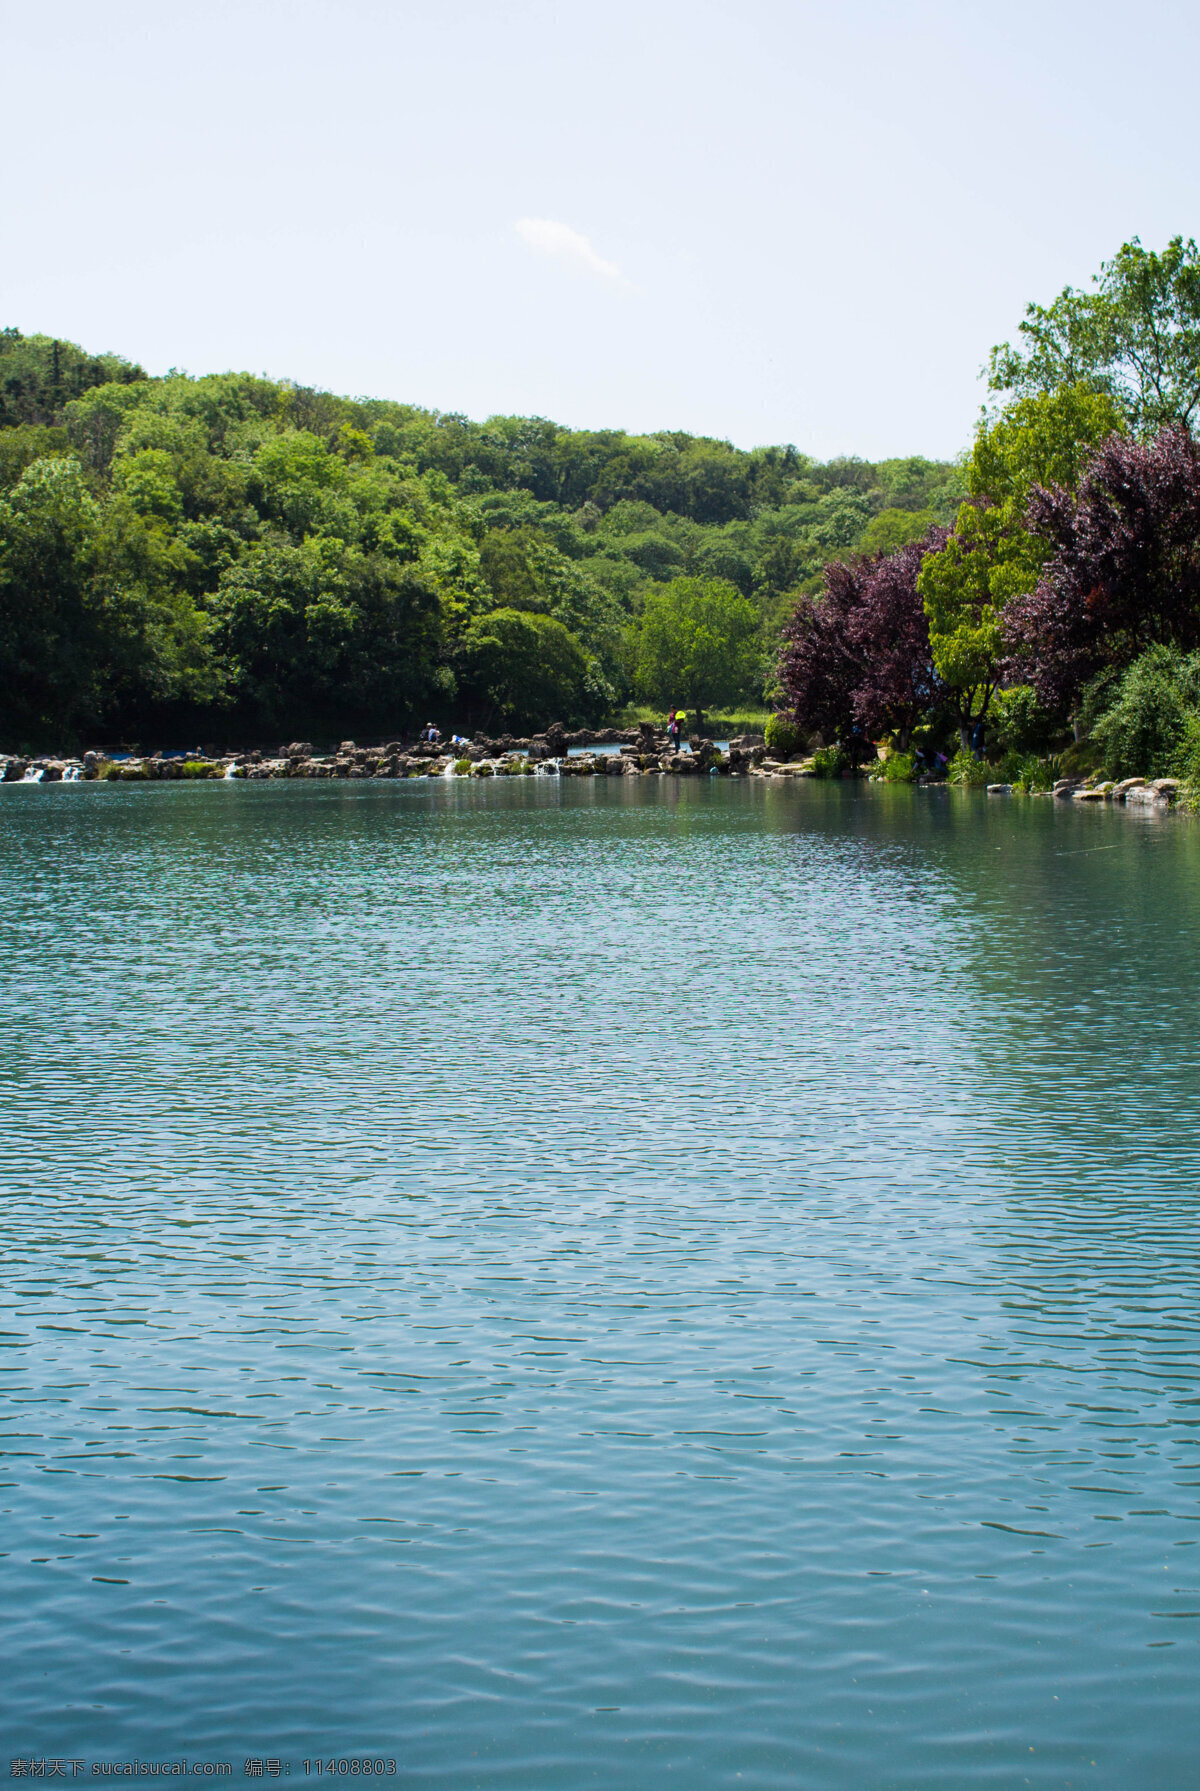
x: 601, y: 1283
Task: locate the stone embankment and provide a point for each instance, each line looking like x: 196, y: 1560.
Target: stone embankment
x: 644, y: 749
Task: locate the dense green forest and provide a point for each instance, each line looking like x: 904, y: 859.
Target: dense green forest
x: 235, y: 558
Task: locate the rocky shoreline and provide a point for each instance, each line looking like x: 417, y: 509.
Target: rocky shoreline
x: 644, y: 749
x: 1137, y: 792
x: 641, y: 751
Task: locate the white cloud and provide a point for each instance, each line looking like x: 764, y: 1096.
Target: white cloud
x: 548, y: 237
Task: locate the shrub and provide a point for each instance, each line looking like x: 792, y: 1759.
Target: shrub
x: 1142, y: 729
x: 965, y: 768
x: 1028, y: 773
x: 462, y: 767
x: 899, y: 768
x: 1022, y: 725
x: 1187, y: 765
x: 199, y: 768
x: 829, y: 761
x: 782, y: 736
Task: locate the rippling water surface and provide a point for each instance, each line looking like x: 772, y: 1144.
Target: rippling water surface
x: 622, y: 1284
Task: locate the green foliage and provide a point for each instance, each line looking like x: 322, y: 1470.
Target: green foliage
x: 899, y: 768
x: 830, y: 761
x: 782, y: 736
x: 1186, y: 765
x: 1150, y: 714
x: 1029, y: 773
x: 965, y: 768
x: 39, y: 375
x: 523, y: 668
x: 1041, y: 439
x: 894, y: 528
x: 697, y: 642
x: 289, y: 559
x: 1136, y: 338
x: 992, y: 557
x: 1020, y: 722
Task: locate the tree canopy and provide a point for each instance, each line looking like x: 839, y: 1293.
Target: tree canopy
x: 1135, y: 337
x: 230, y: 556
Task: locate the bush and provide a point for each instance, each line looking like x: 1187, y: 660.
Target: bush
x: 830, y: 761
x: 899, y: 768
x: 1028, y: 773
x: 1187, y: 766
x: 200, y: 768
x: 782, y: 736
x: 1149, y: 713
x: 1020, y: 722
x: 965, y: 768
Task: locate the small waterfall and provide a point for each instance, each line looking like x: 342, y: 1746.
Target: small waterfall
x: 449, y: 771
x: 231, y: 771
x: 34, y: 774
x: 72, y: 774
x: 548, y: 768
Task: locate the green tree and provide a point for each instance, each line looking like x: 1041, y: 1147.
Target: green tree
x: 49, y: 639
x: 698, y: 642
x: 992, y: 556
x: 524, y: 668
x: 1136, y: 338
x: 894, y: 528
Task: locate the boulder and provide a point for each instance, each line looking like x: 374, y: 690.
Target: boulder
x: 999, y: 789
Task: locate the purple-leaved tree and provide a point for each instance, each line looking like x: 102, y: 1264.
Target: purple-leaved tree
x: 856, y: 660
x: 1124, y: 568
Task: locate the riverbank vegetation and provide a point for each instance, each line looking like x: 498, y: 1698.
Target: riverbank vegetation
x: 236, y: 558
x: 1055, y: 623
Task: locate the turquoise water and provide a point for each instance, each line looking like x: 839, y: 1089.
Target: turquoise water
x: 617, y: 1283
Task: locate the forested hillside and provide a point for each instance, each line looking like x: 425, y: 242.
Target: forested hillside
x: 239, y: 557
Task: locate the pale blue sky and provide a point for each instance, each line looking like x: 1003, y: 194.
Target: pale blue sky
x: 773, y: 221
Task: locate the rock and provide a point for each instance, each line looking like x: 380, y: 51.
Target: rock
x: 1121, y: 790
x: 1087, y: 795
x: 299, y: 749
x: 1166, y: 786
x: 999, y: 789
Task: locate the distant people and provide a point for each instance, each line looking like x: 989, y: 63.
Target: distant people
x: 977, y: 739
x: 430, y: 735
x: 673, y: 730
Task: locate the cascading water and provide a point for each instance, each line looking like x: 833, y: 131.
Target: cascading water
x: 34, y: 774
x: 548, y: 768
x: 72, y: 774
